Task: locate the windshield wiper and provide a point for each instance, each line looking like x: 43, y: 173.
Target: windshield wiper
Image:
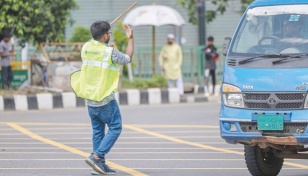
x: 262, y: 56
x: 288, y: 57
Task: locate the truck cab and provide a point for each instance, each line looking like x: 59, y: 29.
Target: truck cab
x: 264, y: 88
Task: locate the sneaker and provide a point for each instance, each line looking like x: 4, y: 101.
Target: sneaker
x: 96, y: 164
x: 93, y: 172
x: 108, y: 170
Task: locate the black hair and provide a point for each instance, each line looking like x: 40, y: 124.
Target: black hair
x: 7, y: 35
x: 99, y: 28
x: 210, y: 38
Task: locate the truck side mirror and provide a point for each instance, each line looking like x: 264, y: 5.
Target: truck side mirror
x: 225, y: 45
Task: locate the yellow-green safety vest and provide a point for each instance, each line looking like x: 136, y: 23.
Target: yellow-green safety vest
x: 98, y: 76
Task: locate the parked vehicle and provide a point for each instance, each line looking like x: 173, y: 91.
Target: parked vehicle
x: 265, y: 80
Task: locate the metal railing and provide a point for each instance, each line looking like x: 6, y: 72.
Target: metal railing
x: 192, y: 67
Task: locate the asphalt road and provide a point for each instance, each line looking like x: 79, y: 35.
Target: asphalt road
x: 157, y: 140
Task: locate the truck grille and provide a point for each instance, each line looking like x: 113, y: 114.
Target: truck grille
x: 289, y: 128
x: 272, y: 101
x: 256, y: 96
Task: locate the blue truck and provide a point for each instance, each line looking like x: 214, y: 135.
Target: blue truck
x: 265, y: 82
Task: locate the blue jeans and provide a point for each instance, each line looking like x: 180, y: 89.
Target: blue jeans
x: 100, y: 116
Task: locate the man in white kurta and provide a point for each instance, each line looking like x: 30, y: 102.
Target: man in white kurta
x: 170, y: 61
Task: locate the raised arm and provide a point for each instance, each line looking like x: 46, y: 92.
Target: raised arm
x: 130, y: 45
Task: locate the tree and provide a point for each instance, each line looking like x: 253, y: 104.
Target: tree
x: 121, y: 41
x: 191, y: 5
x: 120, y: 38
x: 36, y: 21
x: 81, y: 34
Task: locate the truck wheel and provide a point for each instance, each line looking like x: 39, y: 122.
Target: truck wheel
x: 262, y: 162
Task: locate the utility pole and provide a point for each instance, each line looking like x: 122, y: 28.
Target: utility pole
x: 201, y: 21
x: 201, y: 27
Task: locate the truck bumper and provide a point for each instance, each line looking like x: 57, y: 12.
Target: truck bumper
x: 240, y: 126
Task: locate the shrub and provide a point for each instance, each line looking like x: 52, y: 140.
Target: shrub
x: 143, y: 83
x: 81, y: 34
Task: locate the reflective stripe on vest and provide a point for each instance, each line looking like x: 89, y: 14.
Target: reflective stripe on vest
x: 103, y: 64
x: 99, y: 76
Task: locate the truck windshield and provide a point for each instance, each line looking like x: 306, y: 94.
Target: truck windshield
x: 270, y: 30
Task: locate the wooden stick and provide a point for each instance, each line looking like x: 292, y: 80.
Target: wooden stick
x: 122, y: 14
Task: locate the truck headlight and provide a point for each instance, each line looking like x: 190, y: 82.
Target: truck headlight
x: 232, y: 96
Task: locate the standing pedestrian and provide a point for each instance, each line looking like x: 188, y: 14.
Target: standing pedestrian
x: 5, y: 54
x: 97, y: 82
x: 170, y: 61
x: 211, y: 56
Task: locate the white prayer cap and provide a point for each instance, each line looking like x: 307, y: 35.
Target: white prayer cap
x: 170, y: 36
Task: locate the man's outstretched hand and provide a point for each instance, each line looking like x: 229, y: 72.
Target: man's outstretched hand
x: 128, y: 30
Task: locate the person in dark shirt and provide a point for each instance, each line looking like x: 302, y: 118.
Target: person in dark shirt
x: 210, y: 65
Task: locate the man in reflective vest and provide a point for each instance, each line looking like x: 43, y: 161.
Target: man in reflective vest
x: 97, y: 81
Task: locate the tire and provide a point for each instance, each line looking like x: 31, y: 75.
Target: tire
x: 262, y: 162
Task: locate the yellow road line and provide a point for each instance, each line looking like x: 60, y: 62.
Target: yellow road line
x: 70, y: 149
x: 173, y: 139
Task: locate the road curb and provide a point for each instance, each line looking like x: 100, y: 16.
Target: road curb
x: 47, y: 101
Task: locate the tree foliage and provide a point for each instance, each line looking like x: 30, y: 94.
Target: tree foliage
x: 36, y: 21
x: 221, y: 7
x: 120, y: 38
x: 81, y: 34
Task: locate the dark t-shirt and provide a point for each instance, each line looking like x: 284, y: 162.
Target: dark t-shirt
x: 210, y: 63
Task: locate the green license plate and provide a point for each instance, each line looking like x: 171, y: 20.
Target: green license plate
x: 270, y: 122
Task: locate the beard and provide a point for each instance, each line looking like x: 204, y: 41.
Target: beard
x: 107, y: 41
